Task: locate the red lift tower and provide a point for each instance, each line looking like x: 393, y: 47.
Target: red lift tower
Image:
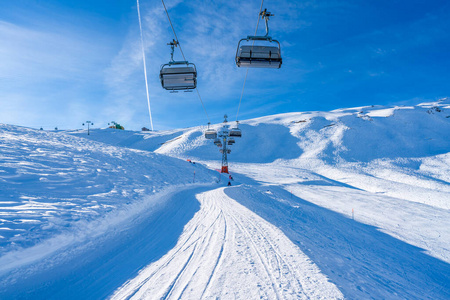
x: 222, y: 139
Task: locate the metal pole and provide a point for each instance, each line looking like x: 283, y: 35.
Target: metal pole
x: 224, y: 155
x: 224, y: 136
x: 88, y: 123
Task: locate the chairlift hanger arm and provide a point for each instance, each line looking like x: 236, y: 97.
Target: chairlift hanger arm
x: 265, y: 15
x: 172, y: 45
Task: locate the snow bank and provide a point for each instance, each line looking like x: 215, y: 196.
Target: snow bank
x: 51, y: 181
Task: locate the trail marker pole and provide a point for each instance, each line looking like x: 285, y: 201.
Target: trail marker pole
x: 193, y: 181
x: 353, y: 214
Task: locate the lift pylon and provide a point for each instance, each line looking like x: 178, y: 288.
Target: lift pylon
x: 224, y: 139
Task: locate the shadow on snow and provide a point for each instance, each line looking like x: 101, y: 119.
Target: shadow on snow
x: 362, y: 261
x: 97, y: 270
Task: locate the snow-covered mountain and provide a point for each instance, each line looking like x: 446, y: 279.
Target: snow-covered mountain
x: 350, y: 203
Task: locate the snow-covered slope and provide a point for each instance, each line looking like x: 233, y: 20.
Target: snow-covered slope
x: 389, y: 165
x: 399, y: 151
x: 383, y: 166
x: 52, y: 182
x: 358, y: 134
x: 350, y: 203
x: 250, y: 259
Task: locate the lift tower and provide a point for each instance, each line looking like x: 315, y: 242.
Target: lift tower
x: 224, y: 135
x: 223, y: 139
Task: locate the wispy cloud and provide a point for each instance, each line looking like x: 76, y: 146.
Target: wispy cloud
x: 40, y: 55
x: 43, y: 71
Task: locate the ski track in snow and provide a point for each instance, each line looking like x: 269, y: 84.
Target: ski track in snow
x: 226, y: 251
x: 302, y: 172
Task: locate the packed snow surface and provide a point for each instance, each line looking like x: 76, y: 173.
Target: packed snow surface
x: 352, y: 203
x: 227, y: 251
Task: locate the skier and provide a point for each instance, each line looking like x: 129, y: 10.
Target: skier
x: 231, y: 177
x: 229, y: 183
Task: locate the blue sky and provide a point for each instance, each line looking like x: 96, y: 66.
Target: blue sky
x: 64, y: 62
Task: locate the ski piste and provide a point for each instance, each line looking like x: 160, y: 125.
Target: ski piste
x: 343, y: 204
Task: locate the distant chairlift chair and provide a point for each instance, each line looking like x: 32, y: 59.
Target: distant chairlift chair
x: 178, y: 75
x: 218, y: 142
x: 210, y: 133
x: 235, y: 131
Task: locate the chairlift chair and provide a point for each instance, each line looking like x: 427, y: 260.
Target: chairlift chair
x: 231, y: 141
x: 178, y: 75
x: 210, y: 134
x: 258, y: 56
x: 218, y: 142
x: 235, y: 132
x: 266, y: 54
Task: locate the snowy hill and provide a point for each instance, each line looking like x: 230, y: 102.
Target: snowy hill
x: 358, y: 134
x: 350, y: 203
x: 58, y: 190
x: 366, y: 145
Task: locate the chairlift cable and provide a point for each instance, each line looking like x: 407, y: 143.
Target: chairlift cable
x: 181, y: 50
x: 173, y: 29
x: 246, y: 73
x: 145, y: 68
x: 198, y: 93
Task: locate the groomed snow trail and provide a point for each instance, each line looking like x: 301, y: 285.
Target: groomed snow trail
x: 227, y: 251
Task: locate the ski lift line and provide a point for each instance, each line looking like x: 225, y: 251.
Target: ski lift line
x: 198, y: 93
x: 246, y: 73
x: 145, y: 67
x: 173, y: 30
x: 184, y: 58
x: 242, y: 94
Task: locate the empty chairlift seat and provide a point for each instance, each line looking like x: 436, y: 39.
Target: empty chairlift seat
x: 218, y: 142
x: 179, y: 76
x: 235, y: 132
x: 231, y: 141
x: 259, y: 56
x: 210, y: 134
